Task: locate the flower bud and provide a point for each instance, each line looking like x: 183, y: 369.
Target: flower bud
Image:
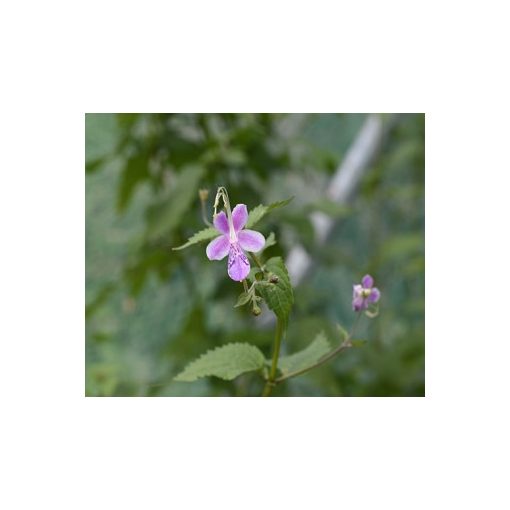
x: 256, y: 310
x: 203, y: 194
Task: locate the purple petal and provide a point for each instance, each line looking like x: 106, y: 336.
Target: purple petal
x: 358, y: 304
x: 356, y: 291
x: 374, y: 295
x: 218, y: 248
x: 250, y: 240
x: 367, y: 281
x: 221, y: 223
x: 238, y: 264
x: 239, y: 216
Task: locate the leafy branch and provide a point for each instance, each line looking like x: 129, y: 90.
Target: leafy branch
x: 346, y: 344
x: 270, y: 281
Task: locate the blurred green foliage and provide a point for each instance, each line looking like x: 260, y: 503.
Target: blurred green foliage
x: 151, y: 310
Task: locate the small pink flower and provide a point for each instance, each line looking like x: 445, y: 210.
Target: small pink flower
x: 364, y: 294
x: 233, y: 240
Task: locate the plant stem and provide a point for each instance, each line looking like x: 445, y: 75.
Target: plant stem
x: 257, y: 261
x: 346, y: 344
x: 204, y: 215
x: 274, y: 364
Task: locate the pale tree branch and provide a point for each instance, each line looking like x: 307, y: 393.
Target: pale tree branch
x: 341, y: 187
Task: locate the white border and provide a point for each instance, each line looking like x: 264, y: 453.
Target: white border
x: 63, y: 451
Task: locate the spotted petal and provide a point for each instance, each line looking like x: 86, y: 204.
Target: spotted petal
x: 218, y: 248
x: 221, y: 223
x: 239, y: 216
x: 238, y: 264
x: 250, y: 240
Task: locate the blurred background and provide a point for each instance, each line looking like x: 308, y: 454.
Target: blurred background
x: 358, y: 187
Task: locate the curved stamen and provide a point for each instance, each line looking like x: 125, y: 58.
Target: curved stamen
x: 222, y: 193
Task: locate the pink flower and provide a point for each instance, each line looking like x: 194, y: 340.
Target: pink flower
x: 364, y: 294
x: 233, y: 240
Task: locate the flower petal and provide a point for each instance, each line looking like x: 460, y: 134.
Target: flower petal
x: 374, y: 295
x: 239, y: 216
x: 221, y: 223
x: 358, y: 304
x: 356, y: 291
x: 238, y: 264
x: 250, y: 240
x: 367, y: 281
x: 218, y: 248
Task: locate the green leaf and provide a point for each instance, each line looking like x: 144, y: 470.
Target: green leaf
x: 243, y: 299
x: 278, y: 296
x: 260, y: 211
x: 165, y: 216
x: 93, y: 166
x: 402, y: 247
x: 101, y: 298
x: 202, y: 235
x: 358, y: 343
x: 302, y: 359
x: 226, y: 362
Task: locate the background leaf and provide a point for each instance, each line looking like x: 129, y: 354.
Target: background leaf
x: 166, y: 215
x: 225, y: 362
x: 135, y: 172
x: 270, y: 241
x: 302, y: 359
x: 332, y: 209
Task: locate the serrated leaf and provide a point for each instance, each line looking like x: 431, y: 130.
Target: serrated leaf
x: 242, y: 299
x: 203, y: 235
x: 260, y: 211
x: 308, y: 356
x: 278, y: 296
x: 225, y: 362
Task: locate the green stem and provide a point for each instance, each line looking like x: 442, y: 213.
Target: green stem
x: 346, y: 344
x: 204, y: 215
x: 274, y: 364
x: 257, y: 261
